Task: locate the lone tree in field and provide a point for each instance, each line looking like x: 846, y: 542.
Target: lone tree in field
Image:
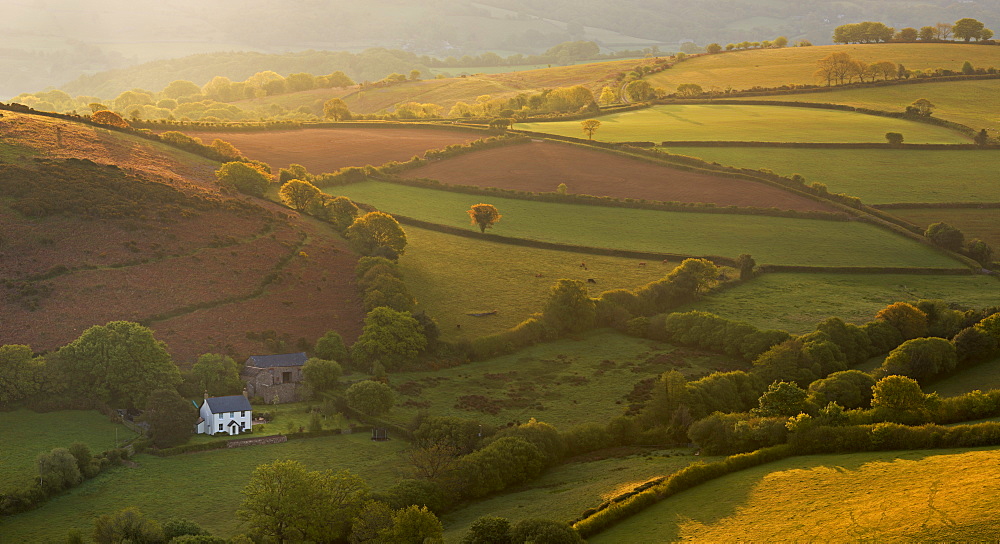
x: 590, y: 126
x: 484, y: 215
x: 107, y: 117
x: 894, y: 138
x: 336, y: 109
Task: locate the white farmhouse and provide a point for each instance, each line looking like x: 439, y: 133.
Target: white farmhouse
x: 229, y: 415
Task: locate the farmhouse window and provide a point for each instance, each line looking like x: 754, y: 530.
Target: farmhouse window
x: 220, y: 426
x: 286, y: 377
x: 243, y: 413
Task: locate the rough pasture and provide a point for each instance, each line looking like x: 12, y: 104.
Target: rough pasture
x: 973, y: 222
x: 330, y: 149
x: 898, y: 496
x: 541, y: 166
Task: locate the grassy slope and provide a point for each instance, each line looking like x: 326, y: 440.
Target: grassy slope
x: 946, y: 495
x: 970, y: 103
x: 710, y: 122
x: 566, y: 491
x: 796, y: 302
x: 984, y: 377
x: 796, y: 65
x: 202, y: 487
x: 771, y: 240
x: 975, y: 223
x: 877, y: 176
x: 452, y: 276
x: 564, y: 383
x: 26, y: 434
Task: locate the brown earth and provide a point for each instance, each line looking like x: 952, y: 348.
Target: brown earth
x: 323, y: 150
x: 542, y: 166
x: 249, y: 264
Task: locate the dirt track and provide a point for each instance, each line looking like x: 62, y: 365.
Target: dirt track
x: 329, y: 149
x: 541, y: 166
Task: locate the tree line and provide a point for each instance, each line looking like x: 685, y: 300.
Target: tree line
x: 965, y: 29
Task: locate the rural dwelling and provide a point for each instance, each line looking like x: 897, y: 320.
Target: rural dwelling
x: 229, y: 415
x: 274, y: 376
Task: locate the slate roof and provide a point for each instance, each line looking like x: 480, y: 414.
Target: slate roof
x: 286, y: 359
x: 232, y: 403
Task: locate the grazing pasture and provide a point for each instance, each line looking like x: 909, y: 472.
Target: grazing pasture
x: 771, y: 240
x: 742, y: 70
x: 982, y: 223
x: 564, y: 383
x: 726, y: 122
x: 941, y: 495
x: 876, y: 176
x: 542, y: 166
x: 565, y: 491
x: 27, y: 434
x: 971, y: 103
x: 330, y: 149
x: 202, y: 487
x: 795, y: 302
x: 453, y: 276
x: 984, y: 377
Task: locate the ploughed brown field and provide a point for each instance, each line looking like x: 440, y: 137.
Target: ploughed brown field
x: 542, y: 166
x: 201, y: 278
x: 323, y: 150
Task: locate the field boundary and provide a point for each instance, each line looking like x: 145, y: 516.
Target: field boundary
x: 828, y: 145
x: 942, y: 205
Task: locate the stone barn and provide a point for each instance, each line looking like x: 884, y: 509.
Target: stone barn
x: 270, y: 376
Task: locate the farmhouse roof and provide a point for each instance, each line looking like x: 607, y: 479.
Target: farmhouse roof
x: 232, y: 403
x: 286, y: 359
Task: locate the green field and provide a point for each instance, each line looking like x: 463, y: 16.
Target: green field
x: 974, y: 223
x: 202, y: 487
x: 452, y: 276
x: 876, y: 176
x: 738, y: 123
x: 565, y: 491
x: 25, y: 434
x: 771, y: 240
x: 564, y: 383
x: 971, y: 103
x: 929, y: 495
x: 796, y: 302
x: 984, y: 377
x: 796, y: 65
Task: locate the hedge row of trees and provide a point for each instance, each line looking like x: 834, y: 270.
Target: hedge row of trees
x: 966, y: 29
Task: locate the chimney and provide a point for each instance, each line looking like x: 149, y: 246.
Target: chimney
x: 206, y: 395
x: 245, y: 394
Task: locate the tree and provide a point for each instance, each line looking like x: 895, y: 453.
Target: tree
x: 967, y: 29
x: 128, y: 525
x: 780, y: 42
x: 81, y: 452
x: 298, y: 195
x: 371, y: 523
x: 981, y: 138
x: 484, y: 215
x: 389, y: 337
x: 967, y: 68
x: 921, y: 359
x: 331, y: 347
x: 341, y: 212
x: 374, y: 230
x: 543, y: 530
x: 608, y: 96
x: 849, y: 388
x: 745, y: 264
x: 639, y: 90
x: 370, y: 397
x: 171, y: 418
x: 922, y: 107
x: 488, y: 530
x: 782, y: 399
x: 58, y: 469
x: 414, y: 525
x: 943, y: 31
x: 119, y: 363
x: 243, y: 177
x: 590, y: 126
x: 285, y: 502
x: 501, y: 124
x: 225, y: 149
x: 713, y: 48
x: 336, y: 109
x: 179, y: 88
x: 980, y: 251
x: 22, y: 375
x: 927, y: 33
x: 178, y: 527
x: 569, y: 307
x: 321, y: 375
x: 898, y: 393
x: 905, y: 318
x: 946, y: 236
x: 217, y: 374
x: 894, y: 138
x: 110, y: 118
x: 908, y: 34
x: 689, y: 89
x: 835, y: 67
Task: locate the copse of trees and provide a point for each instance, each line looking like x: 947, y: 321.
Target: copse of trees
x: 966, y: 29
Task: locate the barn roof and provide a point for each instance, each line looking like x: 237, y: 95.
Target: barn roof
x: 286, y: 359
x: 232, y: 403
